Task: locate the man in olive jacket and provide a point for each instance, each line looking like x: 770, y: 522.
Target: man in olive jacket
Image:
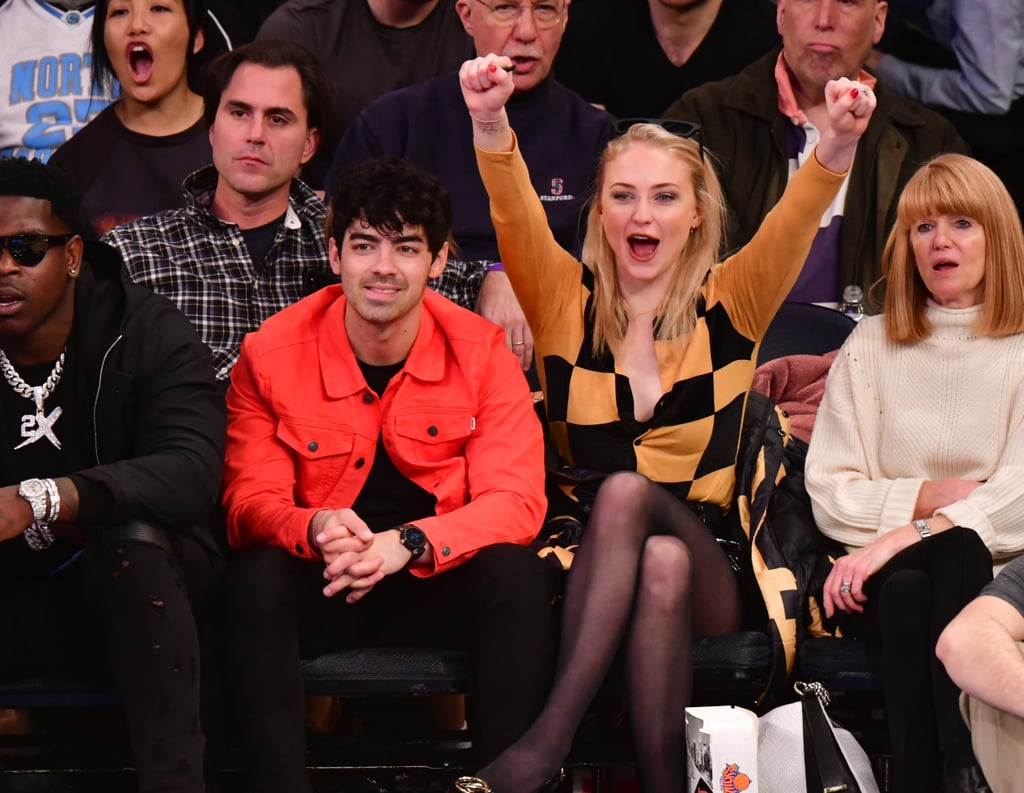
x: 763, y: 122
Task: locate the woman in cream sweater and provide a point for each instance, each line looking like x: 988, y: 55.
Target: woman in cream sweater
x: 917, y: 457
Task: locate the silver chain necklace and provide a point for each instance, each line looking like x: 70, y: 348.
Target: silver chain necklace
x: 38, y: 426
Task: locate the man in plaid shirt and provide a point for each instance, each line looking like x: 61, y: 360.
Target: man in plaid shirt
x: 250, y: 239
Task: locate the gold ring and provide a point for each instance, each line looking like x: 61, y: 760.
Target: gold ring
x: 519, y: 344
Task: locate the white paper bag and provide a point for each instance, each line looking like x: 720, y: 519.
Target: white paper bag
x: 721, y: 750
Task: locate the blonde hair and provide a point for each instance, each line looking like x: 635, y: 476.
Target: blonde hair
x: 952, y: 184
x: 677, y: 314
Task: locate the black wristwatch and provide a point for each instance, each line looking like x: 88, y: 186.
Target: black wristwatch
x: 413, y: 538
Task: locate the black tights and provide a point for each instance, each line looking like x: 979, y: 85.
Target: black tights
x: 650, y: 572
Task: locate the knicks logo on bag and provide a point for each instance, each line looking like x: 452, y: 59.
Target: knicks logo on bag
x: 733, y: 780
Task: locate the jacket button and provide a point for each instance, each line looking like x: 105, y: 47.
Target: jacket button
x: 368, y: 398
x: 638, y: 442
x: 446, y: 551
x: 360, y: 462
x: 431, y: 430
x: 299, y: 548
x: 313, y: 446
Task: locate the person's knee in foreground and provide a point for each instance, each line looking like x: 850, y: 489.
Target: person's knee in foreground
x: 384, y: 472
x: 647, y: 348
x: 914, y: 459
x: 982, y: 652
x: 111, y: 450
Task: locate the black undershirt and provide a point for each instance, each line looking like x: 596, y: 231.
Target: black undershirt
x: 388, y: 498
x: 260, y: 240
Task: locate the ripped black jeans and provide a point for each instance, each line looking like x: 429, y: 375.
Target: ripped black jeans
x: 121, y: 613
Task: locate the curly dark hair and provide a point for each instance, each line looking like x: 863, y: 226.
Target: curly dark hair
x: 32, y: 179
x: 389, y: 193
x: 103, y: 76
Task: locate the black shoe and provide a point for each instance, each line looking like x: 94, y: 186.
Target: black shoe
x: 966, y: 780
x: 474, y: 784
x: 471, y: 784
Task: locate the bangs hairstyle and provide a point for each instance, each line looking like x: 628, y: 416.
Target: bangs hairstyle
x: 952, y: 184
x: 388, y: 194
x: 103, y: 75
x: 677, y: 314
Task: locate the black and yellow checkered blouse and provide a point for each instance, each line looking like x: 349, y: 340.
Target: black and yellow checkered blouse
x: 690, y: 443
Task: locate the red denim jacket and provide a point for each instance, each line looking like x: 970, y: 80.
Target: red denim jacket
x: 457, y: 420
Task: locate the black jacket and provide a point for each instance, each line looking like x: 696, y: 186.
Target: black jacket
x: 742, y: 126
x: 151, y: 415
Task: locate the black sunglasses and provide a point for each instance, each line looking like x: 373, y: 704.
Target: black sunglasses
x: 29, y: 249
x: 682, y: 129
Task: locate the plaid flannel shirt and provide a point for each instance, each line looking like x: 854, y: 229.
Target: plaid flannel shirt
x: 202, y: 264
x: 460, y: 281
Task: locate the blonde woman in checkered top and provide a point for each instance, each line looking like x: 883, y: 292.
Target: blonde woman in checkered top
x: 645, y: 357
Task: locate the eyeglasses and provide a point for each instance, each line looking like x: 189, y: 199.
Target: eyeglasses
x: 545, y: 15
x: 683, y: 129
x: 30, y: 249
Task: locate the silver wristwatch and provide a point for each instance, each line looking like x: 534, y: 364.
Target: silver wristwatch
x: 34, y: 492
x: 38, y: 494
x: 923, y: 528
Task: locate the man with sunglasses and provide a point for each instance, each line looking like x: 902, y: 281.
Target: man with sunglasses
x: 561, y: 137
x: 111, y: 450
x: 764, y: 122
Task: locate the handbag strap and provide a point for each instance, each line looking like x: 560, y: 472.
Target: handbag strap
x: 833, y: 770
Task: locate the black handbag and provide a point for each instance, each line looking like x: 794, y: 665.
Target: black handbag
x: 831, y: 761
x: 824, y: 761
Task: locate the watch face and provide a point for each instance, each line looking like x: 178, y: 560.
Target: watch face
x: 31, y: 488
x: 413, y: 537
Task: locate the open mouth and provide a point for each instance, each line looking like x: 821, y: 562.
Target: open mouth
x: 140, y: 62
x: 9, y: 301
x: 941, y: 267
x: 642, y: 246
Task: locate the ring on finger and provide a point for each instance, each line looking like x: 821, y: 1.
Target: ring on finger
x: 519, y: 344
x: 845, y: 587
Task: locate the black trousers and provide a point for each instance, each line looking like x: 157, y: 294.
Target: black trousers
x: 122, y: 614
x: 910, y: 600
x: 497, y: 606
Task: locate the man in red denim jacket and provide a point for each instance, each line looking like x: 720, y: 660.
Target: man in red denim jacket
x: 384, y: 473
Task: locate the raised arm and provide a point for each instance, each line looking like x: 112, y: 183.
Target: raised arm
x: 545, y: 278
x: 486, y: 87
x: 755, y: 281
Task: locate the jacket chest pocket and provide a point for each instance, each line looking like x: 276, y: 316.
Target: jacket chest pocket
x: 322, y: 454
x: 432, y: 438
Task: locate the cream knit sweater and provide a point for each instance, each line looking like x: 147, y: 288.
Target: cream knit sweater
x: 895, y: 415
